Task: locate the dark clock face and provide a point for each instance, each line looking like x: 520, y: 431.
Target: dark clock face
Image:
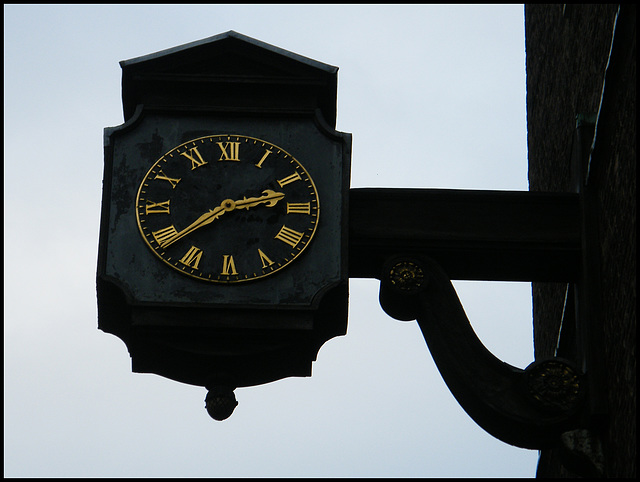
x: 227, y: 208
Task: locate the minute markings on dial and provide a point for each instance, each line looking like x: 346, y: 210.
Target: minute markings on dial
x: 211, y: 176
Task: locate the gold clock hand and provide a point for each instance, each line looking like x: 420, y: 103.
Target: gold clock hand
x: 269, y: 197
x: 203, y: 220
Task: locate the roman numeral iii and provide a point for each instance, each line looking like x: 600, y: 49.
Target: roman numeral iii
x: 299, y: 208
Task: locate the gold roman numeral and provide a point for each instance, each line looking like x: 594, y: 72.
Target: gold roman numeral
x: 157, y: 208
x: 289, y: 236
x: 231, y: 154
x: 194, y: 156
x: 161, y: 175
x: 228, y: 265
x: 192, y: 257
x: 289, y: 179
x: 163, y: 236
x: 266, y: 153
x: 299, y: 208
x: 265, y: 259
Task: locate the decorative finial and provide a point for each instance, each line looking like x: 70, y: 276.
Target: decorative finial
x: 220, y: 402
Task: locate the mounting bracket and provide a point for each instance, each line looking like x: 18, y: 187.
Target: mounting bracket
x: 528, y: 408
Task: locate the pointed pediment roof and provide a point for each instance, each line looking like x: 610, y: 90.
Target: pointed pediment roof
x: 229, y: 72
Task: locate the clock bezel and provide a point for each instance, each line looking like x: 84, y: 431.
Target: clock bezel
x: 230, y: 279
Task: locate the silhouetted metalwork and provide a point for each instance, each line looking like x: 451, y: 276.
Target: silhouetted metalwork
x: 223, y: 333
x: 528, y: 408
x: 220, y: 402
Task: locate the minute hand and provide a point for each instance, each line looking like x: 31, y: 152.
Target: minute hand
x: 269, y: 197
x: 203, y: 220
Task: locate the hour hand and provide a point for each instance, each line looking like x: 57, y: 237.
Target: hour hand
x: 269, y: 198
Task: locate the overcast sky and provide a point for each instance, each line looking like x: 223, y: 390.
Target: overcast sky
x: 444, y: 86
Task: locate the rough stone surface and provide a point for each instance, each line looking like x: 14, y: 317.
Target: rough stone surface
x: 567, y: 48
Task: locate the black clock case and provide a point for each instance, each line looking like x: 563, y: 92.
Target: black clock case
x: 204, y: 333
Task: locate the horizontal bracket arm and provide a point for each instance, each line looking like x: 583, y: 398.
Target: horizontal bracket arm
x: 473, y: 235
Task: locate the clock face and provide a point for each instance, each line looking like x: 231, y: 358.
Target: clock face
x: 227, y: 208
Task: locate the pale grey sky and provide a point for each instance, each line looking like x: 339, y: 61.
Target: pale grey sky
x: 434, y: 97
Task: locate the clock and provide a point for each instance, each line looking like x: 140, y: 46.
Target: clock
x: 227, y: 209
x: 215, y: 266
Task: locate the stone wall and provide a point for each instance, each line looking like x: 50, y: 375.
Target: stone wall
x: 567, y: 53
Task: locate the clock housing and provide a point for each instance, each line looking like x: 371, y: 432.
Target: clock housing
x: 239, y: 135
